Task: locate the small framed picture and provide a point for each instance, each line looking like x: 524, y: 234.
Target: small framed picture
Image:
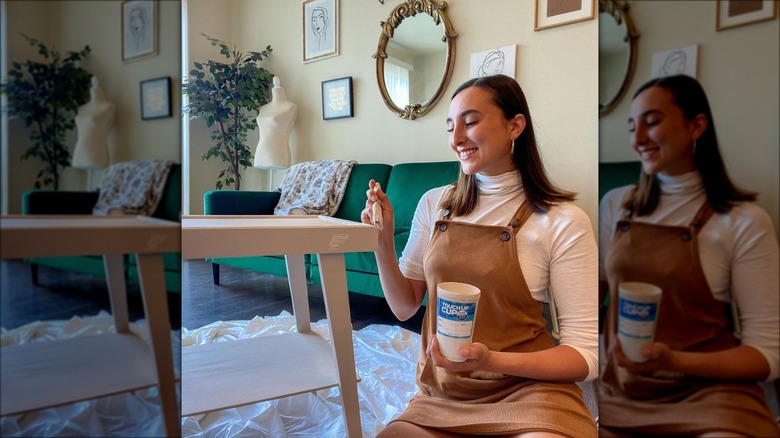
x: 156, y: 98
x: 139, y: 29
x: 337, y: 98
x: 554, y: 13
x: 320, y: 29
x: 735, y: 13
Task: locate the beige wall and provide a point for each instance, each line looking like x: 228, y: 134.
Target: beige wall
x: 557, y: 69
x: 738, y: 68
x: 70, y: 25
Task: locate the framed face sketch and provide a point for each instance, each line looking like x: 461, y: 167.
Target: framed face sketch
x: 320, y: 29
x: 733, y: 13
x: 139, y: 29
x: 554, y: 13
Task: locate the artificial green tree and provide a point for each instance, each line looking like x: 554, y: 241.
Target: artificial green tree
x: 226, y: 94
x: 46, y: 96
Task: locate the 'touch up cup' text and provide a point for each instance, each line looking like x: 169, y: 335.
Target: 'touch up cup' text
x: 456, y: 308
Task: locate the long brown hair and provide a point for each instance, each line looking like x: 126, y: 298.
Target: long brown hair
x: 689, y: 96
x: 539, y: 191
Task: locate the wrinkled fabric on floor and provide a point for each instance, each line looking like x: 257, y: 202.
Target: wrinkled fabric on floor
x: 385, y: 358
x: 135, y: 414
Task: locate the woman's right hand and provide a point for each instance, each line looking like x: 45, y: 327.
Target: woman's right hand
x: 375, y: 194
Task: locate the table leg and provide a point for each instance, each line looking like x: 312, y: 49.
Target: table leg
x: 334, y: 289
x: 152, y: 278
x: 117, y: 291
x: 296, y: 276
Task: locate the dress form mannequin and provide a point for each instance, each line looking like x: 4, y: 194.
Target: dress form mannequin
x: 93, y: 124
x: 275, y: 121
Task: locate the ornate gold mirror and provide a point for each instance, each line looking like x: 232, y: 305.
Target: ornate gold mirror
x: 617, y: 52
x: 414, y: 62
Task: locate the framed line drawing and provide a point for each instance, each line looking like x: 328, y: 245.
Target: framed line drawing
x: 554, y: 13
x: 735, y: 13
x: 139, y: 29
x: 500, y: 60
x: 337, y: 98
x: 320, y: 29
x: 156, y: 98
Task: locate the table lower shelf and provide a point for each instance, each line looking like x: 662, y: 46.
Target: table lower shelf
x: 53, y: 373
x: 226, y: 375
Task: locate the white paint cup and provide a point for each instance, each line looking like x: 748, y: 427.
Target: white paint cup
x: 637, y: 316
x: 456, y: 308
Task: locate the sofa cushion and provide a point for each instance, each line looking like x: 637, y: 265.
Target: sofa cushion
x: 409, y: 181
x: 618, y: 174
x: 354, y: 200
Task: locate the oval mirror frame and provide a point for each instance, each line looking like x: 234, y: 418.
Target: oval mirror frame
x: 619, y: 11
x: 407, y: 9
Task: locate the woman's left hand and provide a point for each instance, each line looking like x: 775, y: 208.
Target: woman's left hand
x: 657, y: 354
x: 477, y: 356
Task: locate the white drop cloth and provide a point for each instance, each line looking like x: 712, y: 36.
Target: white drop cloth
x: 135, y: 414
x: 385, y: 358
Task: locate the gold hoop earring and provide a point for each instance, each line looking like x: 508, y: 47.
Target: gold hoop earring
x: 511, y: 146
x: 693, y: 152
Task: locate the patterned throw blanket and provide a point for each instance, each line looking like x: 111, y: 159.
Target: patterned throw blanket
x: 132, y: 187
x: 314, y: 187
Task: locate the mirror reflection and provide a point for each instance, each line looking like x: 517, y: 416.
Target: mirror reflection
x: 416, y: 59
x: 617, y: 52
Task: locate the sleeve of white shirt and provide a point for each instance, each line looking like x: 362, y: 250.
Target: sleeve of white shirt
x: 411, y: 260
x: 574, y: 281
x: 609, y: 211
x: 755, y: 284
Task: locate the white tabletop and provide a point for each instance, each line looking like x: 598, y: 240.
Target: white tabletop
x: 238, y: 236
x: 24, y: 236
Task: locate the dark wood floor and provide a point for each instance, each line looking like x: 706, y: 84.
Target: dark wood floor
x: 241, y: 295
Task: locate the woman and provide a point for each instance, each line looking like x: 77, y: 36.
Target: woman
x: 688, y: 229
x: 506, y: 229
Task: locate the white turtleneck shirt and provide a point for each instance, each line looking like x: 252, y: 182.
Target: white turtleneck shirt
x: 556, y: 250
x: 738, y: 252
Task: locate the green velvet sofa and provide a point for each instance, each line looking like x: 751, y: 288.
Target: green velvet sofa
x: 81, y: 203
x: 404, y: 183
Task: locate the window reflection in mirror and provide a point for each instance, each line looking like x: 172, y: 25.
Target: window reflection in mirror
x: 416, y: 58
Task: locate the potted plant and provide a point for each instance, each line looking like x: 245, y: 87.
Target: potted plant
x: 224, y: 94
x: 46, y: 96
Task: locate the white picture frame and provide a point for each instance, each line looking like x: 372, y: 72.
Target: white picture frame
x: 320, y: 29
x: 554, y: 13
x: 682, y: 60
x: 740, y: 13
x: 501, y: 60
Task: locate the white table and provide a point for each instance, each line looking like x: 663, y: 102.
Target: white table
x: 231, y: 374
x: 54, y: 373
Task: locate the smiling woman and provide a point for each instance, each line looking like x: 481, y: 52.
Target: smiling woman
x: 512, y: 378
x: 686, y: 228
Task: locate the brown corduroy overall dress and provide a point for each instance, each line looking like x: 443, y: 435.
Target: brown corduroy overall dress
x: 689, y: 319
x: 508, y: 319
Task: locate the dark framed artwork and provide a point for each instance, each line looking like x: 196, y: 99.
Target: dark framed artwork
x: 156, y: 98
x: 337, y: 98
x: 139, y: 29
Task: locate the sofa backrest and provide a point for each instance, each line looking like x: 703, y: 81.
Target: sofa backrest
x: 354, y: 200
x: 170, y: 203
x: 409, y: 181
x: 617, y: 174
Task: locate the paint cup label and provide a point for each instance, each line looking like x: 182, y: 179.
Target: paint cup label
x: 456, y: 308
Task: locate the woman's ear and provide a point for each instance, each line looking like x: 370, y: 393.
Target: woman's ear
x: 517, y: 125
x: 698, y: 125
